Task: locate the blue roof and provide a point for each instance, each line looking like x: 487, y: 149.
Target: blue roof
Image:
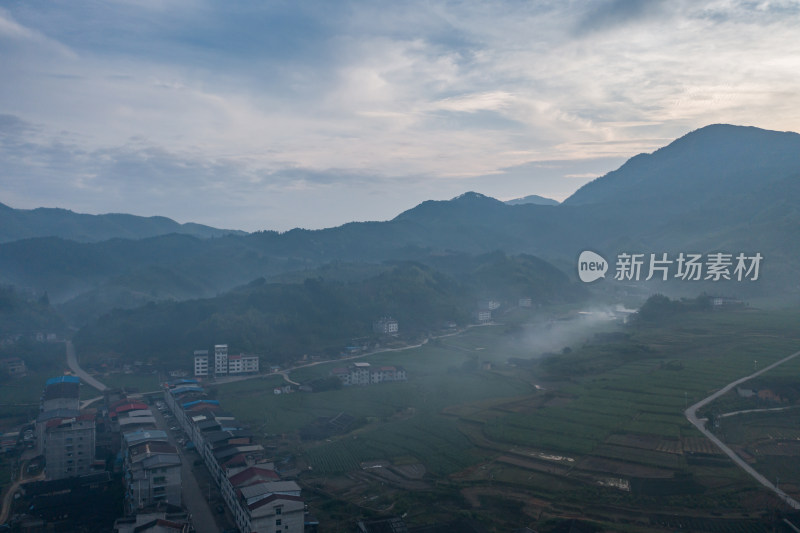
x: 62, y: 379
x: 189, y: 404
x: 185, y: 388
x: 183, y: 381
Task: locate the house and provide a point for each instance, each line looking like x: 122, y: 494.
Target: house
x: 152, y: 475
x: 365, y: 374
x: 14, y: 367
x: 242, y: 364
x: 386, y: 326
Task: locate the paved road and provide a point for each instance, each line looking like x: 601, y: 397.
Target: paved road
x: 691, y: 415
x: 194, y: 498
x: 72, y: 362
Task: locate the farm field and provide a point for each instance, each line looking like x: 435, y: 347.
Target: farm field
x: 601, y: 422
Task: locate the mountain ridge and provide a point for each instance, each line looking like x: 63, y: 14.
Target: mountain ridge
x: 720, y: 188
x: 17, y: 224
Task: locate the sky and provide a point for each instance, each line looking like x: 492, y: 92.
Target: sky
x: 270, y: 115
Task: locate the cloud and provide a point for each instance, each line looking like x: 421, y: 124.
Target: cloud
x: 610, y: 14
x: 370, y: 105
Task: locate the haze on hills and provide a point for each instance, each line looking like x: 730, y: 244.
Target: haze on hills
x: 721, y: 188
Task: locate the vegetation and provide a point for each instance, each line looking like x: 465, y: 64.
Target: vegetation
x: 282, y: 322
x: 517, y: 433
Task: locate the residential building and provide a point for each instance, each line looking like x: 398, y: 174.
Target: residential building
x: 386, y: 326
x: 242, y: 364
x: 152, y: 470
x: 220, y: 359
x: 200, y: 363
x: 14, y: 367
x: 484, y: 316
x: 68, y: 444
x: 364, y: 374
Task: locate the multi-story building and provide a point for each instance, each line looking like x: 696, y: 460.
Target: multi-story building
x: 256, y: 496
x: 242, y: 364
x: 152, y: 470
x: 65, y: 435
x: 220, y: 359
x: 364, y: 374
x: 61, y: 393
x: 200, y: 363
x: 388, y: 373
x: 386, y: 326
x: 68, y: 445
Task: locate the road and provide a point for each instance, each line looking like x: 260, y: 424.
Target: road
x: 193, y: 498
x: 285, y: 373
x: 691, y: 415
x: 72, y: 363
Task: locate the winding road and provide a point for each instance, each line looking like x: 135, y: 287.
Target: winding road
x: 691, y: 415
x: 72, y: 363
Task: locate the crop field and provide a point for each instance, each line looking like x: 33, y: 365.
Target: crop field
x: 453, y: 415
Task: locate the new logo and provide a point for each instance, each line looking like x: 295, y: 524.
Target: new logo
x: 591, y: 266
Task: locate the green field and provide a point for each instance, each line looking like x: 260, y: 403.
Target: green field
x: 602, y: 404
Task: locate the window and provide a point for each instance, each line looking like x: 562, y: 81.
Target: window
x: 278, y: 510
x: 278, y: 522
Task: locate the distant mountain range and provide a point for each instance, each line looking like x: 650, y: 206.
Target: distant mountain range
x: 18, y: 224
x: 718, y: 189
x: 532, y: 199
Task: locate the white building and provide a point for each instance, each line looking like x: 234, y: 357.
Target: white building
x: 200, y: 363
x: 386, y: 326
x: 364, y: 374
x: 221, y: 359
x: 242, y: 364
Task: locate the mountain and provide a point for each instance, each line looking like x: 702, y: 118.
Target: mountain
x: 532, y: 199
x: 711, y: 163
x: 718, y: 189
x: 281, y: 321
x: 16, y: 224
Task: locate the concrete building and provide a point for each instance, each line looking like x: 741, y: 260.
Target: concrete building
x: 242, y: 364
x: 152, y: 471
x: 386, y: 326
x: 365, y: 374
x: 220, y: 359
x: 200, y: 363
x: 68, y: 444
x: 14, y: 367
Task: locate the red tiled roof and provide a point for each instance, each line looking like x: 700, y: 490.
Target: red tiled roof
x: 271, y: 498
x: 254, y: 472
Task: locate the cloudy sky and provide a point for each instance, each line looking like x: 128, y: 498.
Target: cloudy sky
x: 281, y: 114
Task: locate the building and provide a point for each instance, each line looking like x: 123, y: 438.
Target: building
x: 220, y: 359
x: 200, y: 363
x: 525, y: 302
x: 152, y: 469
x: 364, y: 374
x: 387, y: 373
x: 258, y: 499
x: 61, y: 393
x: 242, y: 364
x: 68, y: 444
x: 386, y: 326
x: 14, y: 367
x: 64, y: 434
